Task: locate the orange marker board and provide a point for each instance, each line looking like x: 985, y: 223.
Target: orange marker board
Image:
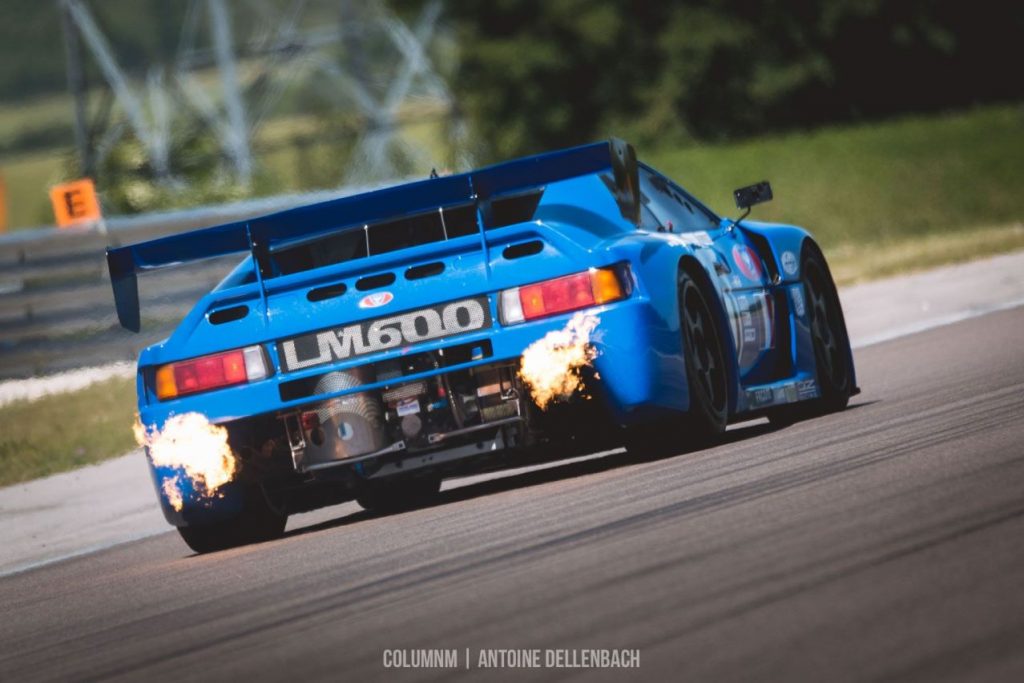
x: 75, y: 202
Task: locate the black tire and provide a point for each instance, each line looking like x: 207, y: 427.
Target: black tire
x: 396, y: 494
x: 832, y: 356
x: 707, y: 377
x: 257, y: 522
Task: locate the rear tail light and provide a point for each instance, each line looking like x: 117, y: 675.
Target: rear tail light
x: 591, y: 288
x: 211, y: 372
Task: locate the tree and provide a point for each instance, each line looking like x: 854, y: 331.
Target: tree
x: 539, y: 75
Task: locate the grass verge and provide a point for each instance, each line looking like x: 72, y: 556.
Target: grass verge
x: 64, y: 431
x: 880, y: 182
x: 857, y: 262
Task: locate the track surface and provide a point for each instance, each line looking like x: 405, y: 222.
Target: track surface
x: 883, y: 542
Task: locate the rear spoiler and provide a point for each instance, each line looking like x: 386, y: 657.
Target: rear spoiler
x: 260, y: 235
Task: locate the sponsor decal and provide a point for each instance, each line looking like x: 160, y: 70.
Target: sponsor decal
x: 807, y: 388
x: 759, y: 397
x: 443, y: 320
x: 747, y: 262
x: 797, y: 295
x: 376, y: 300
x: 753, y: 326
x: 408, y: 406
x: 789, y: 263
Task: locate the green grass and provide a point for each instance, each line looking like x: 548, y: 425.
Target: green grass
x: 65, y: 431
x: 860, y: 184
x: 25, y: 118
x: 28, y: 178
x: 854, y: 262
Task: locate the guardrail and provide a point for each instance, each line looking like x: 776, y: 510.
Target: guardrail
x: 56, y: 306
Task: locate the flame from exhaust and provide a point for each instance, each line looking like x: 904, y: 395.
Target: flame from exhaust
x: 172, y: 490
x: 195, y: 447
x: 550, y: 367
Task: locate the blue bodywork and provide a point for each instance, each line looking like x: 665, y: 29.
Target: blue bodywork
x: 581, y: 221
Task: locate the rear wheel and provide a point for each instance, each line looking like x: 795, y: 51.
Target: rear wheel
x: 831, y: 343
x: 707, y: 379
x: 257, y: 522
x: 399, y: 493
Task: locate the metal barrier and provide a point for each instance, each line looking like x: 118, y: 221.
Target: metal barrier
x: 56, y: 305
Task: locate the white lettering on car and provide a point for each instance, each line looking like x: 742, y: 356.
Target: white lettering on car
x: 386, y: 333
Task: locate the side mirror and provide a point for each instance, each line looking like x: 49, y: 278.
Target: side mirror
x: 758, y: 193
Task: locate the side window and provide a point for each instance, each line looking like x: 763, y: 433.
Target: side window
x: 672, y: 208
x: 648, y: 221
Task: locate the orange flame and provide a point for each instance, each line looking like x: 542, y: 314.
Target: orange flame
x: 196, y: 447
x: 550, y: 367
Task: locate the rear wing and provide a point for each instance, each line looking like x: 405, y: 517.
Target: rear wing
x: 261, y: 235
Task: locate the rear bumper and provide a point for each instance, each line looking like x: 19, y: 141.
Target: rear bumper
x: 638, y: 375
x: 638, y: 361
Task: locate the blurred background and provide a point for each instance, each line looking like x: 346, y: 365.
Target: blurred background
x: 180, y: 103
x: 893, y: 130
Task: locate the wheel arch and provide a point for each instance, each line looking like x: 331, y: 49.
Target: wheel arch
x: 809, y: 244
x: 692, y: 267
x: 779, y: 246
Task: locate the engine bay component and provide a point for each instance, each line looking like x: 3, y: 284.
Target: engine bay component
x: 411, y: 416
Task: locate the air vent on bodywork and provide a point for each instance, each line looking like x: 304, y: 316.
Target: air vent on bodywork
x: 765, y: 252
x: 512, y: 209
x: 514, y: 251
x: 226, y: 315
x: 411, y: 231
x: 375, y: 281
x: 357, y: 242
x: 328, y: 292
x: 426, y: 270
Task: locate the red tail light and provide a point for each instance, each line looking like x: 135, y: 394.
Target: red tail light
x: 210, y: 372
x: 551, y: 297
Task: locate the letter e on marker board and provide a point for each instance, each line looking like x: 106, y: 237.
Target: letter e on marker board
x: 75, y: 203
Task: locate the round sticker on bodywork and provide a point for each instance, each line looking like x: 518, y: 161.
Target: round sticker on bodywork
x: 376, y: 300
x: 789, y: 263
x: 746, y: 261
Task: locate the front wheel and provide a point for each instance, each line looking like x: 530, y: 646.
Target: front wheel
x: 832, y: 357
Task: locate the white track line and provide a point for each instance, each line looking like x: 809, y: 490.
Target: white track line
x: 941, y: 321
x: 89, y: 550
x: 72, y: 380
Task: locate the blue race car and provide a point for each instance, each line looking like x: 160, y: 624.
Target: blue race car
x: 368, y: 346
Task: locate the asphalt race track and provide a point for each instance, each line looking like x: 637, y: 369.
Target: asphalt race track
x: 883, y: 542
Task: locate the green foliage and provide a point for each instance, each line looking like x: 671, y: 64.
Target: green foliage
x: 859, y: 261
x: 33, y: 41
x: 128, y: 184
x: 65, y: 431
x: 538, y: 75
x: 862, y: 184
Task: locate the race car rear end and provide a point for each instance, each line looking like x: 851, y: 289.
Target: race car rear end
x: 380, y: 337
